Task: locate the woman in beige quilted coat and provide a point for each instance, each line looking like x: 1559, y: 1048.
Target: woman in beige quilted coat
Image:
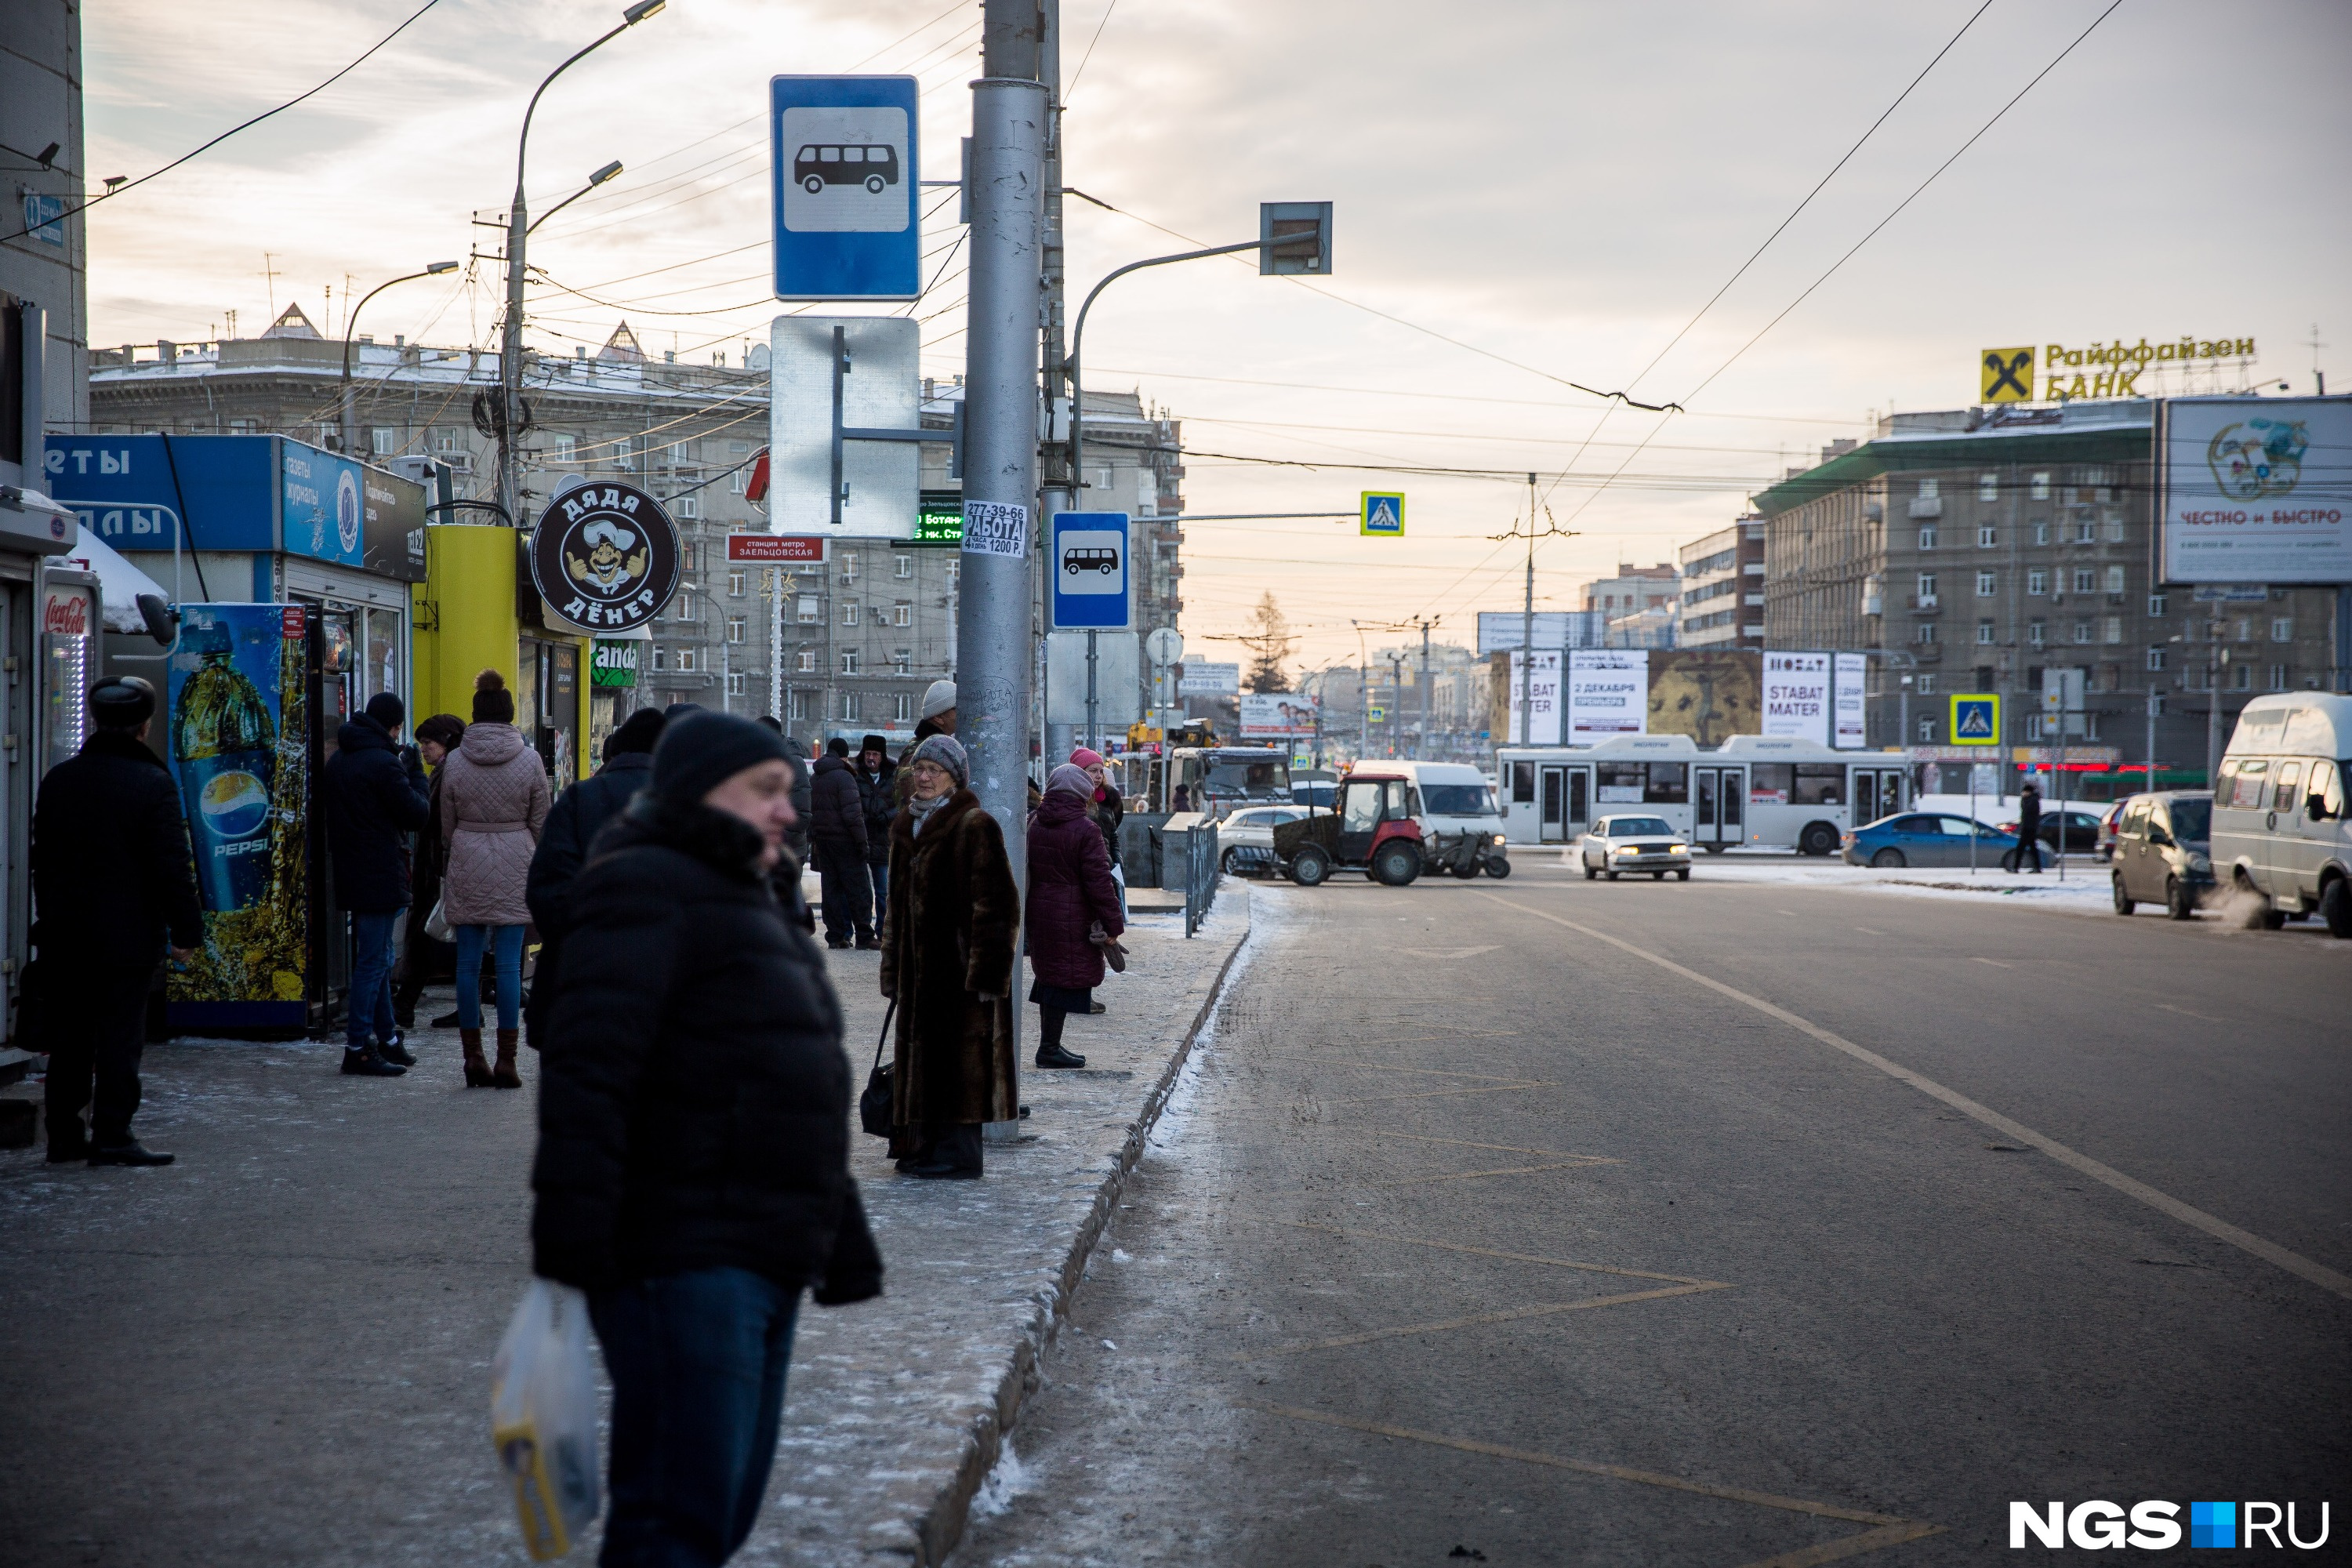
x: 494, y: 800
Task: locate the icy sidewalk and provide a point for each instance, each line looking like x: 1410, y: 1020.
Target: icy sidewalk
x: 896, y: 1407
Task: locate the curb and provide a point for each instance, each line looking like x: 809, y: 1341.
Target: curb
x: 940, y: 1527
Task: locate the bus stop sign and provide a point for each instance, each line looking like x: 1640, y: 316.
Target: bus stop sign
x: 843, y: 176
x: 1090, y: 572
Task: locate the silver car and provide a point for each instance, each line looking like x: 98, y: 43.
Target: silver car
x: 1616, y: 845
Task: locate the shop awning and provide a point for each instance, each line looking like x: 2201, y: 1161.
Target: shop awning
x: 119, y: 583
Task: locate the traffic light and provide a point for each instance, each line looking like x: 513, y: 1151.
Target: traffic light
x: 1294, y: 236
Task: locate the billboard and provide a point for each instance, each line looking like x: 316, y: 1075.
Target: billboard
x: 1499, y: 630
x: 2255, y: 490
x: 1850, y: 687
x: 1201, y: 678
x: 1536, y: 722
x: 239, y: 739
x: 1608, y: 693
x: 1797, y: 695
x: 1708, y: 694
x: 1277, y: 716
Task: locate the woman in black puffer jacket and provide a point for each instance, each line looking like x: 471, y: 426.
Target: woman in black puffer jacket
x: 693, y: 1169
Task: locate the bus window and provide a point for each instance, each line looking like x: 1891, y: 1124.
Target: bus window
x: 1668, y: 784
x: 2289, y: 782
x: 1523, y: 782
x: 1819, y: 784
x: 1622, y: 784
x: 2246, y: 789
x: 1768, y: 783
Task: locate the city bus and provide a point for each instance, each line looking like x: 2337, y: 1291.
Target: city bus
x: 1753, y: 792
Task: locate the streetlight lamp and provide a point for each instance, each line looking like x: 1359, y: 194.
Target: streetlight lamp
x: 350, y: 324
x: 595, y: 180
x: 509, y: 422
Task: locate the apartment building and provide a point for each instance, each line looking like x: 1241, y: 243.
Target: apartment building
x: 1722, y: 602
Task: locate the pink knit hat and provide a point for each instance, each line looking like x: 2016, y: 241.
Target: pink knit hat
x: 1085, y: 757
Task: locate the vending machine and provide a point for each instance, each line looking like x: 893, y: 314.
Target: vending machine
x: 240, y: 747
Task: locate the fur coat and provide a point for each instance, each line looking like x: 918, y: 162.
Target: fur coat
x: 946, y: 961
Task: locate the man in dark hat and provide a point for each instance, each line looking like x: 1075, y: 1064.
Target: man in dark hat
x: 877, y: 786
x: 376, y: 798
x: 837, y: 829
x: 116, y: 886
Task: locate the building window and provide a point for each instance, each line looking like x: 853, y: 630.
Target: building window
x: 849, y: 710
x: 2035, y: 631
x: 955, y: 573
x: 1930, y: 488
x: 2115, y: 526
x: 1926, y: 590
x: 2041, y: 531
x: 797, y: 706
x: 2278, y: 678
x: 1925, y: 632
x: 849, y: 568
x: 902, y: 662
x: 1987, y: 487
x: 735, y: 628
x: 2155, y: 605
x: 1984, y: 634
x: 1987, y: 536
x: 2082, y: 530
x: 2086, y: 580
x: 2083, y: 631
x: 849, y: 661
x: 448, y: 438
x: 689, y: 659
x: 2242, y: 677
x: 1927, y: 686
x: 735, y: 585
x: 806, y: 661
x: 2115, y: 581
x: 2282, y: 629
x: 567, y: 448
x: 661, y: 657
x: 849, y: 611
x: 1926, y: 730
x: 683, y: 607
x: 902, y: 708
x: 902, y: 614
x: 383, y: 440
x: 1927, y: 537
x: 2037, y: 582
x: 2115, y: 629
x: 810, y: 612
x: 1986, y: 583
x: 687, y: 507
x: 2041, y: 485
x: 735, y: 680
x: 902, y: 565
x: 2155, y: 656
x: 2245, y: 628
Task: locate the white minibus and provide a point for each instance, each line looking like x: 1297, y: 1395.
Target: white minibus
x: 2280, y: 823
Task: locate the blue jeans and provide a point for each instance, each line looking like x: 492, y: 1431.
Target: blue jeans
x: 697, y: 1366
x: 369, y: 1006
x: 880, y: 871
x: 506, y: 943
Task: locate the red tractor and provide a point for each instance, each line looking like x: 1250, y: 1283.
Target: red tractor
x: 1371, y: 828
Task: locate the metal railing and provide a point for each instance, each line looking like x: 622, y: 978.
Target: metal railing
x: 1199, y: 875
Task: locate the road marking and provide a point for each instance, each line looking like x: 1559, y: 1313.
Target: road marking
x: 1478, y: 1320
x: 1348, y: 1235
x: 1498, y: 1148
x: 1888, y: 1531
x: 1451, y: 952
x: 1996, y: 963
x: 2187, y: 1014
x: 2294, y: 1263
x: 1570, y: 1164
x: 1867, y: 930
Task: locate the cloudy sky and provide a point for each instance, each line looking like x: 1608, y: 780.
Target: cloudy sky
x: 1556, y: 187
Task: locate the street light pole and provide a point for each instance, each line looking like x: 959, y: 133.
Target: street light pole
x: 351, y: 325
x: 519, y: 226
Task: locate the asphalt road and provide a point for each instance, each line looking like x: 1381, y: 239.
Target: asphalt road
x: 1486, y: 1229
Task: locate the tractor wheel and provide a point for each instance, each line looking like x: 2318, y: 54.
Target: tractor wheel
x: 1464, y: 869
x: 2124, y: 904
x: 1396, y: 864
x: 2179, y: 899
x: 1889, y: 859
x: 1312, y: 867
x: 1499, y: 869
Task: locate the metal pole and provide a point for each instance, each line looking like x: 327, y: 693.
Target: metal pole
x: 992, y: 646
x: 1091, y: 696
x: 2343, y: 681
x: 1527, y: 633
x: 1421, y: 743
x: 2212, y: 702
x: 776, y: 645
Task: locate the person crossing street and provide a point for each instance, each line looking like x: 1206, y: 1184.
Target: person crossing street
x: 838, y: 834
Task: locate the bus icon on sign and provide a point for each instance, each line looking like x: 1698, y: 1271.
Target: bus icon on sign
x: 817, y: 165
x: 1077, y: 561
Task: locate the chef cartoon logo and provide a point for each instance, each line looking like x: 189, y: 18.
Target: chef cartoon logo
x: 605, y: 556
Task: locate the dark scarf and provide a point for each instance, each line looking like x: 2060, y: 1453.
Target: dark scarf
x: 719, y: 839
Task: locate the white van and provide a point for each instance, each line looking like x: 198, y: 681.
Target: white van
x: 1453, y: 797
x: 2279, y: 826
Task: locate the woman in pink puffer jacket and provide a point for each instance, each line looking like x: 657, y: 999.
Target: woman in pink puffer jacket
x: 494, y: 800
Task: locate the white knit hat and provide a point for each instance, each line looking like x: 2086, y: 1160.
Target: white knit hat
x: 938, y: 698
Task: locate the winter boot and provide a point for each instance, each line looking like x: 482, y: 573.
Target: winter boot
x: 506, y: 1076
x: 365, y: 1063
x: 478, y: 1070
x: 395, y: 1051
x: 1058, y: 1056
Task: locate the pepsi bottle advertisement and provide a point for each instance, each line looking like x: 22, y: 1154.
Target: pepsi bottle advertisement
x: 239, y: 746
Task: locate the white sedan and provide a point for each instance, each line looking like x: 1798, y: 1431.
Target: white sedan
x: 1252, y: 827
x: 1616, y: 845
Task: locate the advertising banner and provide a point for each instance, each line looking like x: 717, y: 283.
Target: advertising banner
x: 1608, y: 693
x: 1537, y: 723
x: 2255, y: 490
x: 1850, y: 727
x: 1797, y: 695
x: 1205, y: 678
x: 1708, y: 694
x: 324, y: 517
x: 1277, y: 716
x: 240, y: 743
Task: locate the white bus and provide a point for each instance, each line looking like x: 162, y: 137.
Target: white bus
x: 1755, y: 790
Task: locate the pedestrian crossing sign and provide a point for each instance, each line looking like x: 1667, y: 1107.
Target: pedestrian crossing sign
x: 1384, y: 513
x: 1976, y: 718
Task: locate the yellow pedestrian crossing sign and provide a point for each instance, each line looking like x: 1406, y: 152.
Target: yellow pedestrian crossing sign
x: 1976, y: 718
x: 1384, y: 513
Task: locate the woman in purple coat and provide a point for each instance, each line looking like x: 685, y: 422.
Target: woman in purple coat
x: 1070, y: 895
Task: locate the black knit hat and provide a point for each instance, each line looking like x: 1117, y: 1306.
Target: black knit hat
x: 122, y: 702
x: 387, y: 710
x: 638, y: 732
x: 701, y: 750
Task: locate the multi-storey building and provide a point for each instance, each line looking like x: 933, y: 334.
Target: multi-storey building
x: 1722, y: 601
x: 1973, y: 550
x: 1632, y: 590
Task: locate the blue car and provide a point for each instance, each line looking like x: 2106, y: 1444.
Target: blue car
x: 1927, y: 838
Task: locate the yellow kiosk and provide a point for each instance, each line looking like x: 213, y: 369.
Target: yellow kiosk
x: 476, y: 610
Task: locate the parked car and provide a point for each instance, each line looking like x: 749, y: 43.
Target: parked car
x: 2083, y: 828
x: 1615, y: 845
x: 2163, y: 851
x: 2107, y: 825
x: 1927, y: 838
x: 1245, y: 839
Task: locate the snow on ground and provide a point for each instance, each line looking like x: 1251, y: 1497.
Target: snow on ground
x: 2084, y: 889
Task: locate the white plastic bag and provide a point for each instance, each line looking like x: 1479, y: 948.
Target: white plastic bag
x: 543, y: 1418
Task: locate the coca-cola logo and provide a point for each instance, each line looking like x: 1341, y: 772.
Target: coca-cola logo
x: 68, y: 615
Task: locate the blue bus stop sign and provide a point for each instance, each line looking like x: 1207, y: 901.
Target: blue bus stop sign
x: 844, y: 175
x: 1089, y: 564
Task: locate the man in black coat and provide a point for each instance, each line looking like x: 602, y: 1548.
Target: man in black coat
x: 837, y: 830
x: 2028, y: 827
x: 878, y: 783
x: 579, y: 813
x: 375, y: 798
x: 693, y: 1166
x: 115, y: 886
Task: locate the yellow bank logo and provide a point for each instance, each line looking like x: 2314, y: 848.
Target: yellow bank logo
x: 2006, y: 375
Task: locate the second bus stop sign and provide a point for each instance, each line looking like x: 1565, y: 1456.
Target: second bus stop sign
x: 604, y: 556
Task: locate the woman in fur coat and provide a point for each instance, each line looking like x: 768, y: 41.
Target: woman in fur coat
x: 947, y: 963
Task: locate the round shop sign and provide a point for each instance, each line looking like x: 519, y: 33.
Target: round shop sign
x: 347, y: 510
x: 605, y: 556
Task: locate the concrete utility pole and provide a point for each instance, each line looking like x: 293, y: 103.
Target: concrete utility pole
x: 1001, y: 381
x: 1062, y: 487
x: 1527, y: 635
x: 1421, y: 744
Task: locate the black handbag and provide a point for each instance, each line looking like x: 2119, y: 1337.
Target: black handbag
x: 873, y: 1105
